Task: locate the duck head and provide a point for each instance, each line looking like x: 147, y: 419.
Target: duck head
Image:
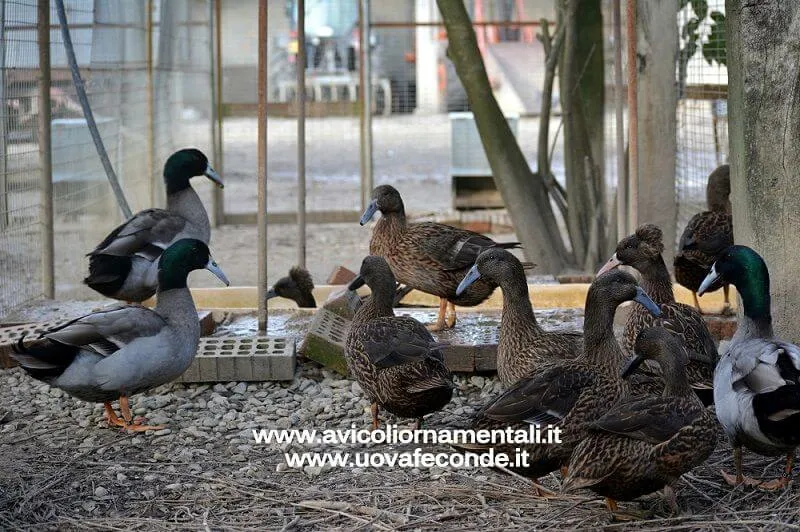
x: 385, y: 198
x: 718, y: 189
x: 183, y: 257
x: 376, y: 274
x: 297, y: 286
x: 616, y: 287
x: 496, y: 265
x: 186, y: 164
x: 742, y: 267
x: 637, y: 250
x: 657, y: 343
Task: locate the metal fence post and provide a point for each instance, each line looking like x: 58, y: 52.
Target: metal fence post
x: 151, y: 140
x: 4, y: 214
x: 365, y: 86
x: 45, y: 154
x: 301, y: 133
x: 619, y: 104
x: 219, y: 157
x: 216, y: 192
x: 261, y: 146
x: 633, y: 117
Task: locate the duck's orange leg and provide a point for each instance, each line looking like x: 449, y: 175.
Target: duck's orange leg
x: 130, y: 423
x: 439, y: 325
x: 451, y: 319
x: 726, y: 308
x: 696, y: 302
x: 375, y: 421
x: 111, y: 416
x: 739, y: 478
x: 783, y: 481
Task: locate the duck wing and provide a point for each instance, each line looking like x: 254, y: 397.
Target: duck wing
x: 545, y: 398
x: 689, y: 325
x: 147, y: 234
x: 650, y: 419
x: 398, y: 340
x: 708, y: 232
x: 453, y: 248
x: 763, y: 366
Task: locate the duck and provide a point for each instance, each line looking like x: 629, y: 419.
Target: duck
x: 707, y: 234
x: 563, y: 397
x: 297, y: 286
x: 124, y: 265
x: 642, y: 251
x: 395, y: 359
x: 757, y: 380
x: 523, y: 345
x: 645, y: 443
x: 116, y: 353
x: 427, y: 256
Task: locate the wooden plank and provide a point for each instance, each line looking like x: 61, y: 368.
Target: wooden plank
x: 312, y: 217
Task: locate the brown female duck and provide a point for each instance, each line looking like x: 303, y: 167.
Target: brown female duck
x: 568, y: 394
x: 707, y: 234
x: 523, y: 345
x: 297, y: 286
x: 642, y: 251
x: 395, y: 359
x: 646, y: 443
x: 428, y: 256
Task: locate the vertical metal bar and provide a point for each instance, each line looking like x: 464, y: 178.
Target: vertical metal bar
x: 365, y: 87
x: 212, y: 123
x: 619, y: 105
x: 219, y: 158
x: 4, y: 214
x: 45, y: 154
x: 300, y: 64
x: 261, y: 215
x: 633, y: 117
x: 151, y: 133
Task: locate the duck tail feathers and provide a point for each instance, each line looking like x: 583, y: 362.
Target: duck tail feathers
x: 43, y: 358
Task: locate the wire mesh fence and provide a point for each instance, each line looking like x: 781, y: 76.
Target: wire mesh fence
x: 109, y: 39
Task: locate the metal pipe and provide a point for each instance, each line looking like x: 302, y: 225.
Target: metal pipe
x: 365, y: 86
x: 151, y: 121
x: 300, y: 65
x: 619, y: 105
x: 212, y: 123
x: 219, y: 157
x: 633, y: 117
x: 45, y: 150
x: 262, y: 166
x: 87, y: 110
x: 5, y: 216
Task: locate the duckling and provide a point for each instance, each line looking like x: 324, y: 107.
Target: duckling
x: 125, y: 264
x: 430, y: 257
x: 395, y: 359
x: 757, y: 380
x: 116, y: 353
x: 707, y: 234
x: 568, y: 395
x: 523, y: 344
x: 646, y: 443
x: 642, y: 251
x: 297, y: 286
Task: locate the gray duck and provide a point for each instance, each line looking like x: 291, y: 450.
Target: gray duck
x: 757, y: 380
x: 645, y: 443
x: 113, y: 354
x: 297, y: 286
x: 523, y: 344
x: 125, y: 264
x: 395, y: 359
x: 568, y: 394
x: 707, y: 234
x: 642, y: 251
x: 430, y: 257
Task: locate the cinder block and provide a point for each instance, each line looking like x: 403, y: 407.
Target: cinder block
x: 242, y: 358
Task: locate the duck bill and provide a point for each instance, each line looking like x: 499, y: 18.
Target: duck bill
x: 216, y: 270
x: 643, y: 299
x: 370, y: 211
x: 631, y: 365
x: 270, y: 294
x: 214, y: 176
x: 612, y: 263
x: 709, y: 281
x: 472, y: 275
x: 356, y: 283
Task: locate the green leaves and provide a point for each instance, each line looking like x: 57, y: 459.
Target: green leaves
x: 717, y: 46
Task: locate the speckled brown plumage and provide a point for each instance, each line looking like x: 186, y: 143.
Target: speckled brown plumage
x: 430, y: 257
x: 642, y: 251
x: 645, y: 443
x: 524, y: 345
x: 395, y: 359
x: 707, y: 234
x: 573, y: 393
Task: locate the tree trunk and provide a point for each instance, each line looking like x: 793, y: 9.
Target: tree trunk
x: 525, y: 195
x: 582, y: 100
x: 763, y: 70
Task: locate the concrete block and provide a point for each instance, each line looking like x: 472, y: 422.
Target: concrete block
x: 242, y: 358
